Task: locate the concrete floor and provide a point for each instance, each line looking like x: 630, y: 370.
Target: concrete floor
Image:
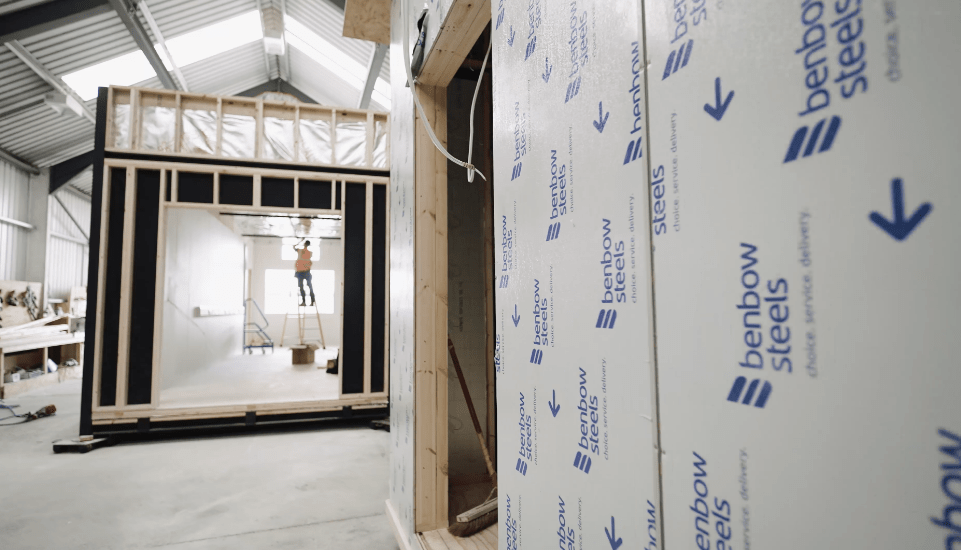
x: 321, y: 489
x: 254, y: 378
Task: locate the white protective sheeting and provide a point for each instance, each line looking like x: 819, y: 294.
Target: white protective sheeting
x: 576, y: 413
x: 199, y: 132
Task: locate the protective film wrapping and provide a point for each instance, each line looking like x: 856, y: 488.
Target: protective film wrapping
x: 351, y: 144
x: 278, y: 139
x: 239, y: 136
x: 199, y: 131
x: 315, y: 141
x: 121, y: 126
x: 157, y: 131
x: 380, y: 144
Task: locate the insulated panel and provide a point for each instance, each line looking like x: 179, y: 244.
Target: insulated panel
x: 143, y: 288
x: 804, y: 161
x: 111, y: 288
x: 355, y: 264
x: 575, y: 411
x: 401, y: 295
x: 378, y: 282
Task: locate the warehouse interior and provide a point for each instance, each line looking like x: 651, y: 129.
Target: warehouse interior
x: 279, y: 273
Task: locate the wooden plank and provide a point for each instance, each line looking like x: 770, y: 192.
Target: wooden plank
x: 134, y: 119
x: 216, y: 187
x: 292, y: 164
x: 258, y: 187
x: 367, y: 20
x: 368, y: 284
x: 465, y: 22
x: 296, y: 192
x: 218, y: 150
x: 369, y: 153
x: 101, y: 278
x: 175, y: 186
x: 259, y: 131
x: 441, y: 539
x: 109, y: 135
x: 160, y: 284
x: 430, y: 318
x: 227, y: 411
x: 297, y: 134
x: 242, y: 170
x: 333, y: 138
x: 178, y: 124
x: 126, y: 286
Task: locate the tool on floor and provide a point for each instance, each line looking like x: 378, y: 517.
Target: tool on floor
x: 482, y: 516
x: 49, y: 410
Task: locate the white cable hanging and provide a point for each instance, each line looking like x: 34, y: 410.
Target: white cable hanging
x: 471, y: 169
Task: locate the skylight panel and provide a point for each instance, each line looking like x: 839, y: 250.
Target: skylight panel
x: 186, y: 49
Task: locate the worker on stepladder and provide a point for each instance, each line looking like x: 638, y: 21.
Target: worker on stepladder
x: 303, y: 272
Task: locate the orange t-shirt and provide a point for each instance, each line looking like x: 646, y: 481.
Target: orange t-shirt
x: 303, y: 260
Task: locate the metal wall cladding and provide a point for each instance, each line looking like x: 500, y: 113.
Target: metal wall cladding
x: 67, y: 255
x: 14, y: 198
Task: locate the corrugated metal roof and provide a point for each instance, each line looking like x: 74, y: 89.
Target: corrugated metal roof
x: 42, y: 137
x: 83, y: 181
x: 7, y: 6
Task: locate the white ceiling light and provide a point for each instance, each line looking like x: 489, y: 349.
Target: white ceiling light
x: 334, y: 59
x: 188, y: 48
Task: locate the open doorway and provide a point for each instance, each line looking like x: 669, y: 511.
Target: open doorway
x: 232, y: 314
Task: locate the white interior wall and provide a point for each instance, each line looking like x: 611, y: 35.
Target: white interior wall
x: 327, y: 254
x: 204, y: 267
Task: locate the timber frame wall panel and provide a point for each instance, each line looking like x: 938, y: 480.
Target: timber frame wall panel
x: 124, y: 337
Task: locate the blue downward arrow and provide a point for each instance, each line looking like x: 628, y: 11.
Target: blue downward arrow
x: 602, y: 118
x: 900, y: 228
x: 516, y: 318
x: 555, y: 407
x: 718, y: 109
x: 612, y: 538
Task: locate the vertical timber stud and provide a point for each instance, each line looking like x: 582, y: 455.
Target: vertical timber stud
x: 297, y: 133
x: 369, y: 156
x: 430, y: 312
x: 179, y: 123
x: 259, y: 136
x: 126, y: 287
x: 159, y: 290
x: 368, y: 284
x: 134, y: 119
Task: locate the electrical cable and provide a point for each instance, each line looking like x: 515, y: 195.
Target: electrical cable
x: 471, y: 169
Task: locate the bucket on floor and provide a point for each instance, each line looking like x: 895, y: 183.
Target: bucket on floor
x: 303, y: 354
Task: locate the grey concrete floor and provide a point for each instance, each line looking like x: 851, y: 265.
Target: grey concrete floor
x: 320, y: 489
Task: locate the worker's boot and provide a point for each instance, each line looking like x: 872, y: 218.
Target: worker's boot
x: 311, y: 298
x: 303, y: 300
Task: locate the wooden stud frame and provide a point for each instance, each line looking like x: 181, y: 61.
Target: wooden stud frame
x: 256, y: 108
x: 124, y: 413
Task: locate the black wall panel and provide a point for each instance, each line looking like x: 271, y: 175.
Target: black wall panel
x: 195, y: 187
x: 355, y: 239
x: 277, y: 192
x: 111, y: 289
x: 378, y: 288
x: 314, y: 194
x: 236, y: 189
x: 142, y: 304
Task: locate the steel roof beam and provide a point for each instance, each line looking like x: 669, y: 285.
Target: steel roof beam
x: 21, y: 24
x: 19, y: 163
x: 155, y: 29
x: 373, y: 72
x: 140, y: 36
x: 51, y: 79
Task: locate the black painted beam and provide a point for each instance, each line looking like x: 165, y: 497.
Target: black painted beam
x: 51, y: 15
x: 61, y: 173
x: 277, y: 85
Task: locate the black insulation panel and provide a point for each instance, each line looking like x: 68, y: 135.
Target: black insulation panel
x: 314, y: 194
x: 111, y: 289
x: 337, y: 199
x: 195, y: 187
x: 277, y: 192
x: 143, y: 289
x: 355, y: 267
x: 378, y: 277
x: 236, y: 189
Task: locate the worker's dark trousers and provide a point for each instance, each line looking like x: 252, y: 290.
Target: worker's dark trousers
x: 301, y: 277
